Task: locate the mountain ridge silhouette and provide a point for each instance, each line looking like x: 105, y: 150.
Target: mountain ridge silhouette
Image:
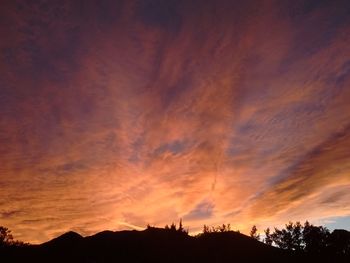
x: 157, y: 245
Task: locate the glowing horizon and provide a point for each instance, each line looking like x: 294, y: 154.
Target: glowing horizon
x: 119, y: 114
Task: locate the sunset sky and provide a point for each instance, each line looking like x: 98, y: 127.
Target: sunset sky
x: 119, y: 114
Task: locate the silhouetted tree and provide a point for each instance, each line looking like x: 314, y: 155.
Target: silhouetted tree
x: 254, y: 233
x: 5, y: 236
x: 282, y: 238
x: 213, y: 229
x: 339, y: 242
x: 180, y: 229
x: 297, y: 235
x: 224, y: 228
x: 173, y: 227
x: 268, y: 239
x: 290, y: 237
x: 315, y: 238
x: 206, y: 229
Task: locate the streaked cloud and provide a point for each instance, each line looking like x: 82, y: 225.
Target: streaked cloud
x: 116, y: 114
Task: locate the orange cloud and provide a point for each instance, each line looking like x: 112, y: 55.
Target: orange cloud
x: 118, y: 115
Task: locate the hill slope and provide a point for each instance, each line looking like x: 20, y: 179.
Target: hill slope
x: 153, y: 245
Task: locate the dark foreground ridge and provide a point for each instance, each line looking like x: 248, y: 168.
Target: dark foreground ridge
x: 158, y: 245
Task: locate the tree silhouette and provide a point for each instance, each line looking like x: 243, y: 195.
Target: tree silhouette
x: 206, y: 229
x: 282, y: 238
x: 268, y: 239
x: 213, y: 229
x: 254, y: 233
x: 173, y: 226
x: 180, y: 229
x: 225, y: 228
x: 339, y: 242
x: 5, y: 236
x: 315, y: 238
x: 290, y: 237
x: 297, y: 236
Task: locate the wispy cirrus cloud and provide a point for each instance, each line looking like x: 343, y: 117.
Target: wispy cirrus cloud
x: 119, y: 114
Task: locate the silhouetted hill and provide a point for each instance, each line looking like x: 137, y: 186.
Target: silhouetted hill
x: 157, y: 245
x: 67, y: 239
